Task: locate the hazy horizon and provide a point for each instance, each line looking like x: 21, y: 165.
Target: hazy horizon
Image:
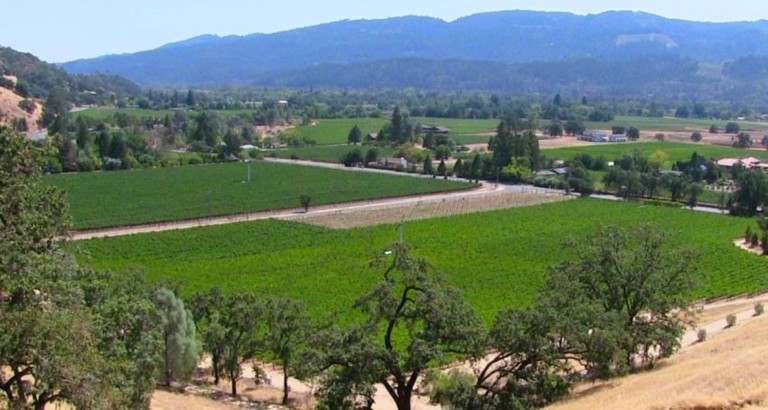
x: 59, y: 32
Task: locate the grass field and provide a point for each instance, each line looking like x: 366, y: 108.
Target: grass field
x: 464, y: 131
x: 675, y: 151
x: 670, y: 124
x: 105, y: 199
x: 461, y: 126
x: 102, y: 113
x: 499, y: 258
x: 327, y: 153
x: 335, y: 131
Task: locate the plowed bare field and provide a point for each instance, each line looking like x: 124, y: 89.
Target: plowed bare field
x: 348, y: 219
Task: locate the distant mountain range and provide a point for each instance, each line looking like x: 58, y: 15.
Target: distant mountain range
x: 491, y: 51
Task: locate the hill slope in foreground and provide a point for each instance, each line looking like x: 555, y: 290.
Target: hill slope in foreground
x: 727, y: 371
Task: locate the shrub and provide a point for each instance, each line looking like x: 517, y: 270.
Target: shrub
x: 27, y: 105
x: 701, y: 335
x: 759, y: 308
x: 754, y: 240
x: 6, y: 83
x: 306, y: 201
x: 730, y: 320
x: 148, y: 160
x: 130, y: 162
x: 195, y: 160
x: 112, y: 164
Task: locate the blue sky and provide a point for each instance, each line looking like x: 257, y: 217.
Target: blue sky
x: 58, y: 31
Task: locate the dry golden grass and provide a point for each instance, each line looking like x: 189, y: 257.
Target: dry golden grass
x: 727, y: 371
x: 9, y: 107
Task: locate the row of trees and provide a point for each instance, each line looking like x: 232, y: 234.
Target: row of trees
x: 86, y: 145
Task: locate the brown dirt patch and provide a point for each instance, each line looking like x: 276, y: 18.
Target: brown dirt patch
x: 757, y: 250
x: 565, y: 142
x: 429, y: 209
x: 164, y: 400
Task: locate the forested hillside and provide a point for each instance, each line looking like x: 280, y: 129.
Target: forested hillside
x: 36, y: 79
x: 508, y: 44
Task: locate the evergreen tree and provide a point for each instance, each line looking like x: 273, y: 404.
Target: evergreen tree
x: 476, y: 168
x: 246, y: 134
x: 190, y: 99
x: 207, y: 129
x: 181, y: 350
x: 82, y: 135
x: 104, y: 142
x: 457, y: 167
x: 428, y: 166
x: 232, y: 143
x: 442, y: 169
x: 355, y: 135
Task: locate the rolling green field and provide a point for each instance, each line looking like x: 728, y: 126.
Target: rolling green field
x: 102, y: 113
x: 499, y: 259
x: 461, y: 126
x: 106, y: 199
x: 464, y: 131
x: 335, y: 131
x: 327, y: 153
x: 676, y: 151
x: 671, y: 124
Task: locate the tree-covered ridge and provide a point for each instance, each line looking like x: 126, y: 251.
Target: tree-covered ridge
x: 37, y: 78
x: 503, y: 37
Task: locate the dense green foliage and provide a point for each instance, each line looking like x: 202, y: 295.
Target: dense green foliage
x: 168, y: 194
x: 433, y: 320
x: 505, y: 263
x: 68, y: 334
x: 181, y: 350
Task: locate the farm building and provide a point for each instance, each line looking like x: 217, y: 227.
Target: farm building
x: 592, y: 136
x: 618, y: 138
x: 595, y: 136
x: 394, y: 162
